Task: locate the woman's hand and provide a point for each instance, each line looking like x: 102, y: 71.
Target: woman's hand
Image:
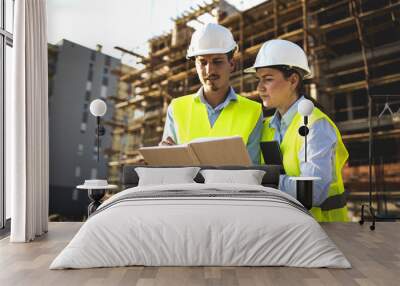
x: 167, y: 142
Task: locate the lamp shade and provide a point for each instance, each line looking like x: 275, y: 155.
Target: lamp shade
x: 98, y: 107
x: 305, y: 107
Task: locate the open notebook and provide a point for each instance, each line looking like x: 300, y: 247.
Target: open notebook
x: 219, y: 151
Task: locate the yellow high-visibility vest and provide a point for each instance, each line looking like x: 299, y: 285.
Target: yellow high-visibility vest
x: 237, y: 118
x: 334, y: 207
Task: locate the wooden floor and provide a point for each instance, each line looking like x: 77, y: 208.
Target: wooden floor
x: 375, y: 256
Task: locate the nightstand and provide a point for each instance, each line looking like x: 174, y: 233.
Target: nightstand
x: 96, y: 191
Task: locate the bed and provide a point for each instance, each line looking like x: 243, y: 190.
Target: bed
x: 201, y: 224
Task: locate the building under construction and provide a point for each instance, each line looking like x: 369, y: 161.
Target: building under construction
x: 354, y: 52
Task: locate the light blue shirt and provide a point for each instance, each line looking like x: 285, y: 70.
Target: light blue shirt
x: 253, y: 143
x: 321, y: 142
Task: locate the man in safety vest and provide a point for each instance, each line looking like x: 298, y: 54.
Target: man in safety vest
x: 215, y: 110
x: 280, y: 67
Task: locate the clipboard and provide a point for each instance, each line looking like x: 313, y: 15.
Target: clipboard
x: 218, y: 151
x: 272, y: 154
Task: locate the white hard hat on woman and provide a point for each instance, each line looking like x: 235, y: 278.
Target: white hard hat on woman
x: 281, y: 53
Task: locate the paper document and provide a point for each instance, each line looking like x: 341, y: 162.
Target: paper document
x: 220, y: 151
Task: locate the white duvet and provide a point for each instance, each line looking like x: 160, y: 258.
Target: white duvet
x: 183, y: 231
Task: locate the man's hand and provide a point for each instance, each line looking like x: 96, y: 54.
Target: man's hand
x: 167, y: 142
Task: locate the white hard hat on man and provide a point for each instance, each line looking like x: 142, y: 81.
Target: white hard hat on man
x: 281, y: 52
x: 211, y: 39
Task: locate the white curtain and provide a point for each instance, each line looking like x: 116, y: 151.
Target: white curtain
x: 27, y: 167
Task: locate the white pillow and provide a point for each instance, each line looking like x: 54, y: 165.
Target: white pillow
x: 163, y: 176
x: 248, y: 177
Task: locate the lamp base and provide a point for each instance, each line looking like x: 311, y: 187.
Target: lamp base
x: 304, y: 190
x: 95, y: 196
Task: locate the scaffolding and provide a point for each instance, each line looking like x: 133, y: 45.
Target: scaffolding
x: 353, y: 47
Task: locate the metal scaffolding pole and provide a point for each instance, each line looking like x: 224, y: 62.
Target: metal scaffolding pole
x: 354, y: 10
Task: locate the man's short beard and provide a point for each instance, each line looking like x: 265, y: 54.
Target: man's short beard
x: 212, y: 87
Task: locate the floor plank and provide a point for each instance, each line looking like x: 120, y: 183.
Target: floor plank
x: 374, y: 255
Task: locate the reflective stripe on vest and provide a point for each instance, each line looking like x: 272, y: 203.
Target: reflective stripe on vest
x: 334, y: 207
x: 191, y: 118
x: 334, y: 202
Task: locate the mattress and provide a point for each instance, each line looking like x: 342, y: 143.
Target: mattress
x: 201, y: 225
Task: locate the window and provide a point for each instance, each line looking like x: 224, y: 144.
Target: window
x: 87, y: 96
x: 93, y: 173
x: 105, y: 81
x: 84, y: 121
x: 6, y: 43
x: 93, y: 56
x: 77, y: 171
x: 90, y: 74
x: 103, y: 91
x: 80, y: 149
x: 83, y: 127
x: 107, y: 60
x: 88, y: 85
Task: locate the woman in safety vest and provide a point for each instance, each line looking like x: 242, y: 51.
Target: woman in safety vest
x: 281, y: 67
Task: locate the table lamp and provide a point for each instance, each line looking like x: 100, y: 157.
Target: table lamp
x: 304, y: 185
x: 96, y: 188
x: 98, y: 108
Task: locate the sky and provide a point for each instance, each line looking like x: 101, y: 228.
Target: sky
x: 125, y: 23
